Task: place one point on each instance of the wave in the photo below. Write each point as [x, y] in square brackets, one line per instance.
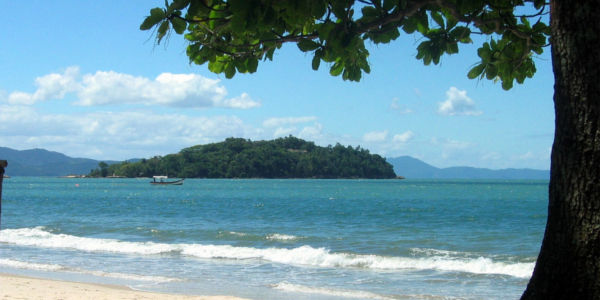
[288, 287]
[282, 237]
[38, 237]
[234, 233]
[345, 293]
[53, 268]
[248, 236]
[31, 266]
[303, 255]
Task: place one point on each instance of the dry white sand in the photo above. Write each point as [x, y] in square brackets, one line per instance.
[19, 287]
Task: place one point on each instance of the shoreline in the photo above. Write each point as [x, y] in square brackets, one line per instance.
[25, 287]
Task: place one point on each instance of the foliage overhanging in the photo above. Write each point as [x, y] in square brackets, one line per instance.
[234, 35]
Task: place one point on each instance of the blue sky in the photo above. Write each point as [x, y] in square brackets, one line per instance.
[79, 77]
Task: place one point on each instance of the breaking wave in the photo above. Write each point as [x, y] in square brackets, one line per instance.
[304, 255]
[282, 237]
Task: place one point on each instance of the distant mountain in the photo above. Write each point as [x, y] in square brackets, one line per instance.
[40, 162]
[411, 167]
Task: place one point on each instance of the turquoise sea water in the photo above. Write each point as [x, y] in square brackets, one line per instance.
[279, 239]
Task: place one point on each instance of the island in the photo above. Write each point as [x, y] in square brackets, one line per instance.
[287, 157]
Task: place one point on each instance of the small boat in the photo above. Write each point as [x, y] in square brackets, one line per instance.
[162, 180]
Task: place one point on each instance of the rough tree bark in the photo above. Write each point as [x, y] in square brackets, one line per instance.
[568, 266]
[3, 165]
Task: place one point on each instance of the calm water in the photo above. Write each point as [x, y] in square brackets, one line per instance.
[279, 239]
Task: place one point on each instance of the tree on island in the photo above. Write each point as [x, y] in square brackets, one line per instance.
[232, 36]
[288, 157]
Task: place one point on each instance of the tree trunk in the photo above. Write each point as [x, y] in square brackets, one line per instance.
[3, 165]
[568, 266]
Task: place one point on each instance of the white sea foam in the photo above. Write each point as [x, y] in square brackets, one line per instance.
[295, 288]
[39, 238]
[237, 233]
[30, 266]
[281, 237]
[304, 255]
[345, 293]
[53, 268]
[438, 252]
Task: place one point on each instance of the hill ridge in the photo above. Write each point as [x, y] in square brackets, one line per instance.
[410, 167]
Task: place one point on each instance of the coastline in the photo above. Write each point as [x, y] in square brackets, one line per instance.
[23, 287]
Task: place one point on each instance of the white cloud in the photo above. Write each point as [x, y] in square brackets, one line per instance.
[375, 136]
[296, 126]
[106, 135]
[458, 103]
[109, 87]
[403, 137]
[51, 86]
[242, 102]
[278, 122]
[312, 133]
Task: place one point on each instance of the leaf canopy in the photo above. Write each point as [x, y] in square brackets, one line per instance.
[234, 35]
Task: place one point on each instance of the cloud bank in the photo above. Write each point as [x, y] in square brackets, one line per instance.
[114, 135]
[110, 88]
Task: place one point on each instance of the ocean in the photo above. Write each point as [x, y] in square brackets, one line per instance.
[279, 239]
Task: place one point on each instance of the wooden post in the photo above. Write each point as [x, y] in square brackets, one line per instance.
[3, 165]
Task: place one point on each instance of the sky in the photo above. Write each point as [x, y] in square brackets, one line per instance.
[80, 78]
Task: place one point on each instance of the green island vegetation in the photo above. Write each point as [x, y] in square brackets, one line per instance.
[288, 157]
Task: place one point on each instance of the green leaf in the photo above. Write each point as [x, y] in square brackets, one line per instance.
[422, 22]
[179, 4]
[451, 21]
[216, 66]
[461, 34]
[318, 9]
[451, 48]
[389, 4]
[369, 12]
[269, 54]
[476, 71]
[366, 67]
[306, 45]
[336, 69]
[179, 25]
[427, 59]
[484, 52]
[437, 17]
[539, 39]
[158, 12]
[229, 70]
[410, 24]
[156, 15]
[240, 65]
[491, 71]
[162, 31]
[507, 84]
[252, 64]
[316, 62]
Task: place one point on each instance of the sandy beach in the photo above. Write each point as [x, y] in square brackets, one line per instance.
[19, 287]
